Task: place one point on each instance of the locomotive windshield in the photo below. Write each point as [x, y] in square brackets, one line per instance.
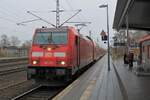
[50, 38]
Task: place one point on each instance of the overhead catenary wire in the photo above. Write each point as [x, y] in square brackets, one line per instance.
[71, 7]
[60, 5]
[16, 16]
[57, 16]
[6, 19]
[6, 12]
[12, 14]
[48, 11]
[41, 18]
[22, 23]
[70, 18]
[58, 10]
[64, 10]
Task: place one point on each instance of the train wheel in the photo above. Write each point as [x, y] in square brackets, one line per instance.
[68, 76]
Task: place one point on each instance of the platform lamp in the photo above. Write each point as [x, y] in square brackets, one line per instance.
[106, 6]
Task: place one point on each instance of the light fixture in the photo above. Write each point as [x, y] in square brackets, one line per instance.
[34, 62]
[63, 62]
[49, 49]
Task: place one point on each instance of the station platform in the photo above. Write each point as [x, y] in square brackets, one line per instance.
[98, 83]
[137, 87]
[95, 84]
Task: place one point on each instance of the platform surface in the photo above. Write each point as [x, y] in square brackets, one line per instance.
[137, 87]
[95, 84]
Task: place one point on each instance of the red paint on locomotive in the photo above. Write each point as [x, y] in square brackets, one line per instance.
[60, 52]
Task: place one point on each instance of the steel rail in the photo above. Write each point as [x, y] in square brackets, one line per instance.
[13, 70]
[26, 93]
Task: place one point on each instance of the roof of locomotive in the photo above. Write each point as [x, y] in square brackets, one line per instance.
[62, 29]
[45, 29]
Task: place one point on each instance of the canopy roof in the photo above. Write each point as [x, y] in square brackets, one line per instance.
[138, 12]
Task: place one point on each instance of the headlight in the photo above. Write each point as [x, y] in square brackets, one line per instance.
[49, 49]
[63, 62]
[34, 62]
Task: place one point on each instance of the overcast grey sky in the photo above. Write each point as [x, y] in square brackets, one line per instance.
[14, 11]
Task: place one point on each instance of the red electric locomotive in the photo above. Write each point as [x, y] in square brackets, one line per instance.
[59, 53]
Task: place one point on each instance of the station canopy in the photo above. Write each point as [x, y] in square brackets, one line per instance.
[138, 12]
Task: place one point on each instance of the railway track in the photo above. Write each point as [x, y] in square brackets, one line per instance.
[39, 93]
[13, 61]
[12, 65]
[9, 71]
[8, 92]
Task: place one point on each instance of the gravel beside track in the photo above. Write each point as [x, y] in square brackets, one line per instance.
[12, 79]
[12, 59]
[13, 82]
[12, 91]
[39, 93]
[12, 70]
[13, 63]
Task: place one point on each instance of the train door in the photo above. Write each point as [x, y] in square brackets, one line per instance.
[77, 40]
[94, 51]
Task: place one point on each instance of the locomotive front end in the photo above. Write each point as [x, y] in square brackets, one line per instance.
[49, 56]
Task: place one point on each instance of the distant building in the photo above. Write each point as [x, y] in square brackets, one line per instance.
[13, 51]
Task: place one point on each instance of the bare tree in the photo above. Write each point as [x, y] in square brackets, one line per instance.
[4, 40]
[14, 41]
[27, 44]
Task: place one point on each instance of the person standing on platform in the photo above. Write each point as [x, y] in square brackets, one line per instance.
[125, 58]
[130, 57]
